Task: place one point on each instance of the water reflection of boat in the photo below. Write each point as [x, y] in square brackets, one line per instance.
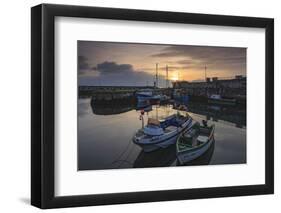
[180, 96]
[202, 160]
[195, 142]
[142, 105]
[160, 134]
[147, 108]
[111, 107]
[158, 158]
[217, 99]
[181, 107]
[236, 115]
[159, 99]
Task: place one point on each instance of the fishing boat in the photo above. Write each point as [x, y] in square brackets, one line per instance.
[144, 95]
[161, 133]
[217, 99]
[194, 142]
[204, 159]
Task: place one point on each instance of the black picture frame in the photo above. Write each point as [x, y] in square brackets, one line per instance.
[43, 102]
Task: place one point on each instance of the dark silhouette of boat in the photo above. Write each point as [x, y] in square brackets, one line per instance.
[112, 107]
[235, 115]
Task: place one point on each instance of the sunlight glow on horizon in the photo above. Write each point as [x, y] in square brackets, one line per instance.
[105, 62]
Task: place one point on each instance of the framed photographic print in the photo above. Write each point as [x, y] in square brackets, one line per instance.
[140, 106]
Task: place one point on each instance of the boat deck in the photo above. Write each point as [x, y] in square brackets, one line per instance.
[190, 140]
[170, 129]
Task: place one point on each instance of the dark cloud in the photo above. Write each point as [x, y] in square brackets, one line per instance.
[83, 65]
[186, 62]
[200, 52]
[113, 68]
[114, 74]
[198, 56]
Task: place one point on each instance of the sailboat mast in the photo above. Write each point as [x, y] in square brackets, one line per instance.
[167, 79]
[156, 75]
[205, 73]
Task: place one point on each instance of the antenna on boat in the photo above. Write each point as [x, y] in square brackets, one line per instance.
[167, 81]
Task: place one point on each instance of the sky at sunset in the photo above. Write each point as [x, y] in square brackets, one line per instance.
[132, 64]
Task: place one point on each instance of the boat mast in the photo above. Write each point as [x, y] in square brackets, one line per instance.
[205, 73]
[167, 81]
[156, 76]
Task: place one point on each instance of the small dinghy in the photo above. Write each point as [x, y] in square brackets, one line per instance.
[194, 142]
[160, 134]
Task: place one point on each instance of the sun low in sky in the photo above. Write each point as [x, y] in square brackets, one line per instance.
[134, 64]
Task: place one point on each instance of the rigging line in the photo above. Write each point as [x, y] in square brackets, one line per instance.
[124, 151]
[129, 153]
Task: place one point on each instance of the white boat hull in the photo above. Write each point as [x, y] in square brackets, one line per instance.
[189, 155]
[153, 147]
[162, 141]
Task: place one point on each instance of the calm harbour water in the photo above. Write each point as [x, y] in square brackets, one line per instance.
[105, 136]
